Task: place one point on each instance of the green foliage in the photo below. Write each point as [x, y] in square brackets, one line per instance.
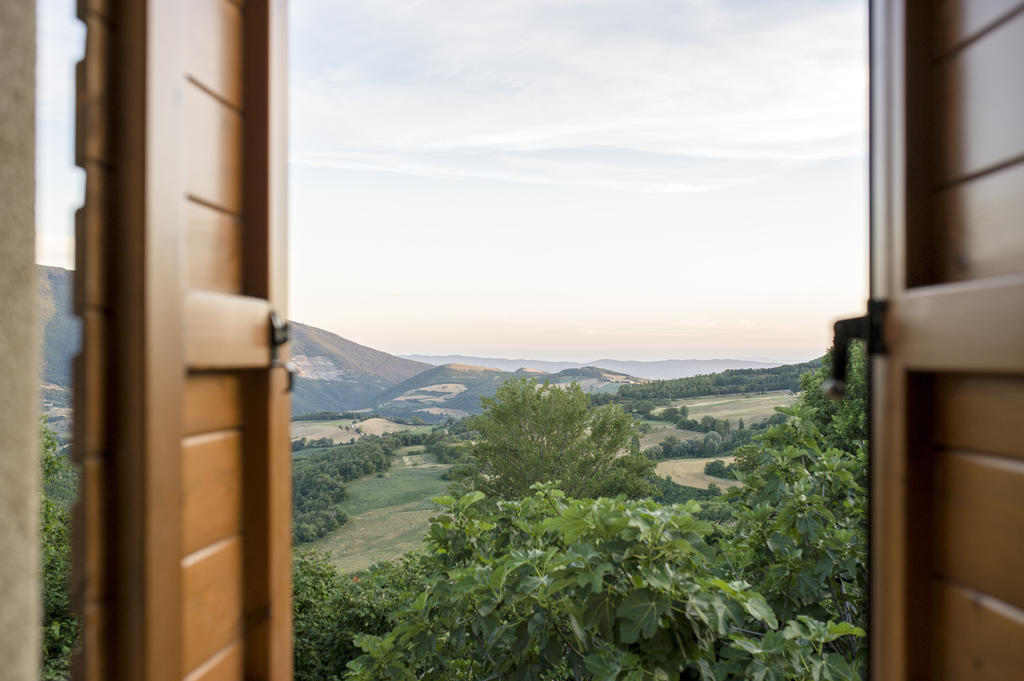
[549, 587]
[330, 609]
[532, 432]
[843, 423]
[800, 530]
[718, 469]
[60, 627]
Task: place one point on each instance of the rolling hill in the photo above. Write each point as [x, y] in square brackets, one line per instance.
[334, 373]
[653, 370]
[456, 389]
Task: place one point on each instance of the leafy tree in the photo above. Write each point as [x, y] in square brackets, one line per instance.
[842, 423]
[532, 432]
[60, 627]
[330, 608]
[602, 590]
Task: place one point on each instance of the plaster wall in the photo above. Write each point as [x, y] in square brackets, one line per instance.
[19, 349]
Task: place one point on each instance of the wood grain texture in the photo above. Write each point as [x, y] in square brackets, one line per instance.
[979, 104]
[226, 665]
[89, 392]
[213, 151]
[211, 489]
[212, 402]
[212, 602]
[92, 115]
[213, 250]
[981, 220]
[958, 21]
[980, 528]
[268, 592]
[961, 327]
[88, 545]
[226, 332]
[214, 48]
[977, 638]
[91, 225]
[980, 413]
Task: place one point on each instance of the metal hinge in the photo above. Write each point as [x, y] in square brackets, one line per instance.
[278, 337]
[868, 328]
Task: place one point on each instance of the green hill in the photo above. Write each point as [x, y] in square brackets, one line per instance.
[456, 389]
[336, 374]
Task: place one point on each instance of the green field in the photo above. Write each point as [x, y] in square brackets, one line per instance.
[388, 516]
[749, 407]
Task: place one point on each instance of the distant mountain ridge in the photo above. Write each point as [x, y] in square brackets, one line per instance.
[652, 370]
[456, 389]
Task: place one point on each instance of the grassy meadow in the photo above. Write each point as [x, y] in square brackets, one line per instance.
[388, 515]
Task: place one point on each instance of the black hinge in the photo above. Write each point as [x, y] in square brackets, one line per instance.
[278, 337]
[868, 328]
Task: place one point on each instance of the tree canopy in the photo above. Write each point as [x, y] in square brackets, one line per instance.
[532, 432]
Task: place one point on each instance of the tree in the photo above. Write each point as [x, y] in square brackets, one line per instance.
[60, 627]
[531, 433]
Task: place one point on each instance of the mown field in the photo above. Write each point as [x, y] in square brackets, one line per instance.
[690, 472]
[750, 408]
[389, 515]
[346, 430]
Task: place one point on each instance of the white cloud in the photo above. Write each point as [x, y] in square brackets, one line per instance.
[490, 89]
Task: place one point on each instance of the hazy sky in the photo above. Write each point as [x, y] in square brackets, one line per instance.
[557, 179]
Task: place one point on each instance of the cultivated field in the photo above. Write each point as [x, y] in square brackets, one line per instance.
[662, 429]
[343, 430]
[750, 408]
[690, 472]
[388, 516]
[340, 430]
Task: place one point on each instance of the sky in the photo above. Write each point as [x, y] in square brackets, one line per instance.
[556, 179]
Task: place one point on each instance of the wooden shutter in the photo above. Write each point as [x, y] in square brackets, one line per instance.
[948, 406]
[182, 536]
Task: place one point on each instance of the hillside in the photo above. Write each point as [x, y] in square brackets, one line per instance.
[653, 370]
[60, 327]
[337, 374]
[456, 389]
[334, 373]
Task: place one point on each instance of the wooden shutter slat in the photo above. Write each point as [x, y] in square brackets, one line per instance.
[961, 20]
[982, 219]
[980, 105]
[92, 121]
[213, 250]
[962, 326]
[212, 603]
[977, 637]
[213, 151]
[980, 522]
[212, 402]
[225, 665]
[211, 499]
[90, 242]
[214, 54]
[226, 332]
[980, 413]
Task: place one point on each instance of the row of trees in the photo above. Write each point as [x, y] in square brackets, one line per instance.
[785, 377]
